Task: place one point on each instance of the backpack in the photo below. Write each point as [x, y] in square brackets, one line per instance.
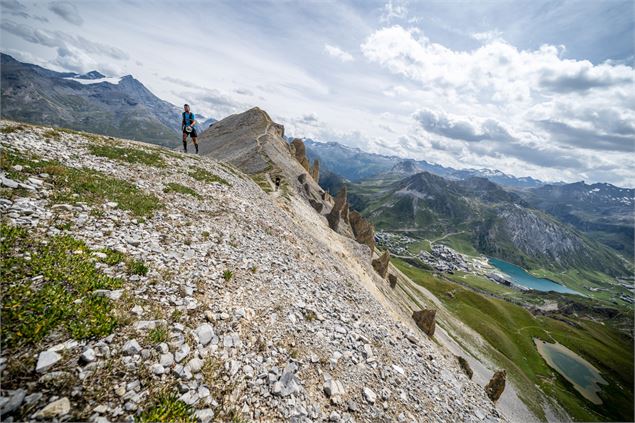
[191, 116]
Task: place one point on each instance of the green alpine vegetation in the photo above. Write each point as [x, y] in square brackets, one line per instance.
[204, 176]
[511, 329]
[127, 154]
[48, 286]
[181, 189]
[74, 185]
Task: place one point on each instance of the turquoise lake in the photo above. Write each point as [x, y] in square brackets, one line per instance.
[519, 276]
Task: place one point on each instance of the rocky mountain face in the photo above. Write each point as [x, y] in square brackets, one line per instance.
[146, 284]
[602, 211]
[256, 145]
[495, 221]
[120, 107]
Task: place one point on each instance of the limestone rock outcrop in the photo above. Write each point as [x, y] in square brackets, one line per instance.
[335, 215]
[381, 264]
[495, 387]
[362, 229]
[425, 320]
[315, 170]
[393, 280]
[299, 151]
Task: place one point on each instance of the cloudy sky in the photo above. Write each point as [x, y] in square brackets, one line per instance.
[542, 89]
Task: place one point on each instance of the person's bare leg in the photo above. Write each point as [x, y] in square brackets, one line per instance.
[184, 142]
[194, 140]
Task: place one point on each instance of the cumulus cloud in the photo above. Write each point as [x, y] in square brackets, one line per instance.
[338, 53]
[456, 128]
[494, 68]
[584, 77]
[533, 107]
[590, 138]
[74, 59]
[67, 11]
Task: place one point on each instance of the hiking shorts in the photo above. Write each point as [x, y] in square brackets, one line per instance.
[192, 134]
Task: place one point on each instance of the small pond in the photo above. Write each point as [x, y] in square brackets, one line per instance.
[585, 378]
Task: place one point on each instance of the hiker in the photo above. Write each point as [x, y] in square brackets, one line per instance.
[277, 182]
[187, 124]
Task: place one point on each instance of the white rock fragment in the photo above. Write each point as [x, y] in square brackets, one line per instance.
[46, 360]
[205, 332]
[131, 347]
[369, 395]
[88, 356]
[333, 388]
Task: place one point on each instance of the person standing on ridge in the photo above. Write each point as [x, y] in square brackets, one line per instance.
[187, 124]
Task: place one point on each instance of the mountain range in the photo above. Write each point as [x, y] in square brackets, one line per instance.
[124, 107]
[356, 165]
[479, 215]
[92, 102]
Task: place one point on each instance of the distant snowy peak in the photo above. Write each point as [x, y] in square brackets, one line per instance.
[87, 81]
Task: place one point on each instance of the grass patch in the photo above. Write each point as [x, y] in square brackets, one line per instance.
[81, 185]
[227, 275]
[158, 335]
[52, 133]
[8, 129]
[136, 267]
[41, 282]
[168, 408]
[113, 257]
[127, 154]
[181, 189]
[204, 176]
[261, 180]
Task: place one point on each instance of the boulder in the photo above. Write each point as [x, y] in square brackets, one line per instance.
[495, 387]
[425, 320]
[465, 366]
[393, 280]
[381, 264]
[57, 408]
[315, 170]
[302, 178]
[362, 229]
[299, 151]
[335, 214]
